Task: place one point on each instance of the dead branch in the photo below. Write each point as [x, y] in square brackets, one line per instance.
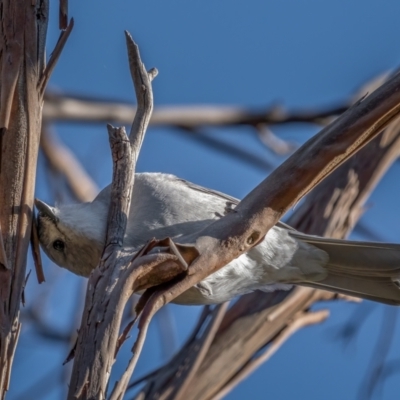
[84, 385]
[55, 55]
[237, 232]
[110, 285]
[380, 153]
[64, 107]
[23, 38]
[216, 245]
[251, 323]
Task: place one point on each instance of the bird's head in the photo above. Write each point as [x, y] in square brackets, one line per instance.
[72, 236]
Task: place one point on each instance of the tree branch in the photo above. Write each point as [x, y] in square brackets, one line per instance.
[237, 232]
[251, 322]
[69, 108]
[111, 284]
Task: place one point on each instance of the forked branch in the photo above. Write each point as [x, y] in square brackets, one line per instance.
[219, 243]
[234, 234]
[111, 284]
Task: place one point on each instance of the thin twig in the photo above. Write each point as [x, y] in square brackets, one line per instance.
[189, 342]
[55, 55]
[277, 145]
[122, 385]
[167, 329]
[66, 107]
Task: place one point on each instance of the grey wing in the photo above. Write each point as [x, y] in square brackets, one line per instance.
[224, 196]
[209, 191]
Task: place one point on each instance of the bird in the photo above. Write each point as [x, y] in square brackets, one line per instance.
[163, 205]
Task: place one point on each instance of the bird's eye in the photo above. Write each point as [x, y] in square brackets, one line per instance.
[58, 245]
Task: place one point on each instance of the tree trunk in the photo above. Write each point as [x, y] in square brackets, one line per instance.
[22, 62]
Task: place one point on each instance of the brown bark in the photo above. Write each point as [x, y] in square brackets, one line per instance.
[332, 209]
[23, 78]
[258, 319]
[205, 252]
[23, 34]
[111, 284]
[232, 235]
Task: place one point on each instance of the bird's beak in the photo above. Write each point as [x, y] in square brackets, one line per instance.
[46, 210]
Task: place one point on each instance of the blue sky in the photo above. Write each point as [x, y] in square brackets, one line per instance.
[300, 54]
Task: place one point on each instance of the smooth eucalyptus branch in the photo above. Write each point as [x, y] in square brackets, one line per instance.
[332, 209]
[237, 232]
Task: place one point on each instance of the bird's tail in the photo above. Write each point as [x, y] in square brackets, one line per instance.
[361, 269]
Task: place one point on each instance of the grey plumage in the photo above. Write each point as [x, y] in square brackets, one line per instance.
[163, 205]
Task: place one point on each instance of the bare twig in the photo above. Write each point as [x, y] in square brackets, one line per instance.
[64, 107]
[277, 145]
[144, 95]
[167, 329]
[55, 55]
[190, 343]
[198, 348]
